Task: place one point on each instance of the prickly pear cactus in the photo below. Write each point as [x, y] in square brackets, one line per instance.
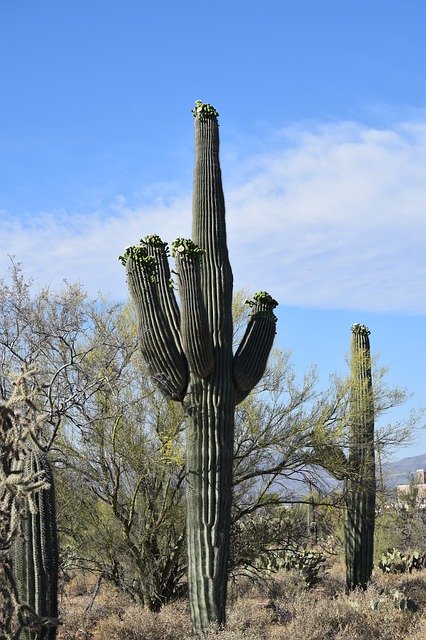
[189, 354]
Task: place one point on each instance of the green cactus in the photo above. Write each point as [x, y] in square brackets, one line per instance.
[36, 554]
[189, 353]
[307, 562]
[9, 451]
[357, 469]
[393, 561]
[360, 483]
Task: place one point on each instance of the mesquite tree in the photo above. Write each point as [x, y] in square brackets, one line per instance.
[189, 354]
[360, 483]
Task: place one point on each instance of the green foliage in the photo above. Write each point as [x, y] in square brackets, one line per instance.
[400, 526]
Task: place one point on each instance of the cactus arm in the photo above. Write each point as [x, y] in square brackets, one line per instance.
[158, 249]
[252, 354]
[360, 485]
[195, 332]
[157, 340]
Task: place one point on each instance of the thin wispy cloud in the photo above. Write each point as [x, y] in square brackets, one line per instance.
[332, 217]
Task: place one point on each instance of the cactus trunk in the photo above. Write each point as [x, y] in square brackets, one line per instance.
[210, 402]
[36, 553]
[360, 484]
[8, 451]
[195, 364]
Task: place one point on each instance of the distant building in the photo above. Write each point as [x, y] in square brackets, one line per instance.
[418, 490]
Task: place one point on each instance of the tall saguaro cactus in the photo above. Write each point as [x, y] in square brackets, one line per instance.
[189, 354]
[36, 552]
[360, 484]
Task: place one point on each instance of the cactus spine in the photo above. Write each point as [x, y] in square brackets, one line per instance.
[36, 552]
[360, 484]
[189, 353]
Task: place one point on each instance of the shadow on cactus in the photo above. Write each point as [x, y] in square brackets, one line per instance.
[188, 349]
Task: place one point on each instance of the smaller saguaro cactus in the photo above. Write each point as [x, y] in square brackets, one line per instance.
[35, 556]
[360, 483]
[357, 468]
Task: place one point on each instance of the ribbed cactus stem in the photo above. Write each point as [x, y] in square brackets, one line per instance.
[210, 392]
[210, 427]
[360, 489]
[159, 343]
[195, 332]
[36, 551]
[7, 453]
[159, 251]
[252, 355]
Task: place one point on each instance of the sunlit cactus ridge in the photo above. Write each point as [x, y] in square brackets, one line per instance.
[189, 353]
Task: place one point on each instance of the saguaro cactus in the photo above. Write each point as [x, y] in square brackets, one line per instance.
[189, 353]
[36, 552]
[357, 469]
[360, 483]
[8, 452]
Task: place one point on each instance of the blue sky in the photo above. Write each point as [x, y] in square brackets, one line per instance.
[323, 143]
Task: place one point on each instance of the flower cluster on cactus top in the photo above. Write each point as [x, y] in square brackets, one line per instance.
[153, 241]
[185, 248]
[139, 255]
[262, 298]
[361, 329]
[204, 110]
[262, 304]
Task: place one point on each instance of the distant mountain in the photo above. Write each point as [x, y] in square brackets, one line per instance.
[394, 473]
[401, 471]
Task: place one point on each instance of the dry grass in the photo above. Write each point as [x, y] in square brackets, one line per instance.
[269, 611]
